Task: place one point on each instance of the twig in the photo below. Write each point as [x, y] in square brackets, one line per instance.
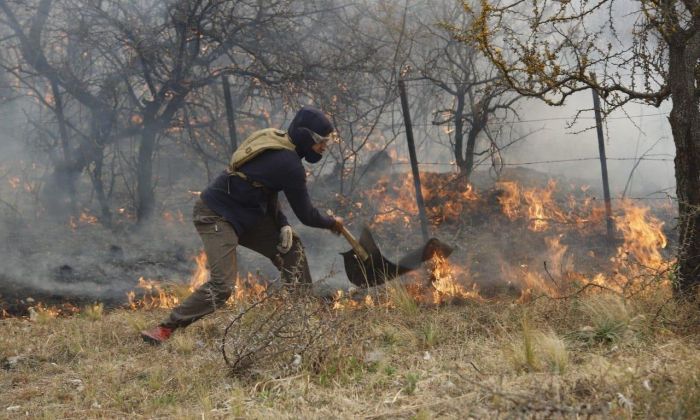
[475, 368]
[576, 293]
[550, 274]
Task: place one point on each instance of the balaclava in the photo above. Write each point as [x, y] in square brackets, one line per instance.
[311, 119]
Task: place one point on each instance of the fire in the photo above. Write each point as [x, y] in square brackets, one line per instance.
[343, 301]
[247, 288]
[170, 217]
[42, 313]
[446, 198]
[509, 199]
[541, 225]
[201, 273]
[87, 218]
[445, 284]
[14, 181]
[643, 235]
[158, 294]
[155, 295]
[541, 209]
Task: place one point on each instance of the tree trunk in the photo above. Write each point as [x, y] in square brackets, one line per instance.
[144, 176]
[685, 125]
[480, 120]
[469, 153]
[59, 193]
[65, 147]
[98, 184]
[459, 131]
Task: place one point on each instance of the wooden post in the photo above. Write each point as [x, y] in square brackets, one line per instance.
[603, 163]
[414, 160]
[233, 137]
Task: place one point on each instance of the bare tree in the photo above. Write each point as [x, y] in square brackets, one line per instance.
[134, 66]
[647, 54]
[473, 100]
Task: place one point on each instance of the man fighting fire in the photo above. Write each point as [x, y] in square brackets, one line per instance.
[241, 207]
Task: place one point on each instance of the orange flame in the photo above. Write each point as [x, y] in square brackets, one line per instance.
[157, 294]
[643, 235]
[201, 273]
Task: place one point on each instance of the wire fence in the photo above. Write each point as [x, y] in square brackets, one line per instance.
[662, 194]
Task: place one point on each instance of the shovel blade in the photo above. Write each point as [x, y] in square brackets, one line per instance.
[377, 270]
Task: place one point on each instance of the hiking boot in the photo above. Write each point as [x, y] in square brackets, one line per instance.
[157, 335]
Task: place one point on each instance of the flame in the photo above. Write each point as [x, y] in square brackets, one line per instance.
[14, 181]
[446, 199]
[170, 217]
[155, 295]
[87, 218]
[158, 294]
[248, 288]
[643, 235]
[201, 273]
[509, 199]
[541, 208]
[445, 284]
[548, 225]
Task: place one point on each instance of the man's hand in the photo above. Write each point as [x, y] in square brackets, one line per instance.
[337, 225]
[286, 238]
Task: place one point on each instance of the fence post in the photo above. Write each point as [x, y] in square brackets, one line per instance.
[233, 137]
[414, 160]
[603, 163]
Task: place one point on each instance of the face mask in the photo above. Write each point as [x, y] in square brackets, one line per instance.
[309, 154]
[312, 157]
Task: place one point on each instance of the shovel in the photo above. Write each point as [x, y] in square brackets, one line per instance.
[366, 267]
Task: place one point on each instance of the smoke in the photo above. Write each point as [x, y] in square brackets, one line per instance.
[57, 251]
[638, 142]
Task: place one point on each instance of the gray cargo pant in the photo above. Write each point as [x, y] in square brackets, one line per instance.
[220, 242]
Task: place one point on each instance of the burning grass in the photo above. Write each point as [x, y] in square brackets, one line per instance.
[532, 314]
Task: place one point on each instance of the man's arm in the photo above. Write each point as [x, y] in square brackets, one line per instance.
[298, 196]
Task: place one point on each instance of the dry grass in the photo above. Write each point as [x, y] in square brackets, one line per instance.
[594, 355]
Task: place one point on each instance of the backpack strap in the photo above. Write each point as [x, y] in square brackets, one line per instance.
[258, 142]
[244, 177]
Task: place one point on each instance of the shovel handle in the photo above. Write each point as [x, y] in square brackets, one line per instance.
[359, 250]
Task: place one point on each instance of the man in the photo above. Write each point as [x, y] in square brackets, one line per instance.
[240, 207]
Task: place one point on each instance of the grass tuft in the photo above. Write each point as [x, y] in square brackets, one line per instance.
[553, 352]
[93, 312]
[402, 300]
[608, 318]
[430, 335]
[535, 351]
[410, 382]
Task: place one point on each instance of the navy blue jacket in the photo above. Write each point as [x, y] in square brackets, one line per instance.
[244, 205]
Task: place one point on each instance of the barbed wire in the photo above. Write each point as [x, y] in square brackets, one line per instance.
[538, 162]
[666, 197]
[431, 124]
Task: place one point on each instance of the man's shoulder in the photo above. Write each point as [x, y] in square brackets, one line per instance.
[287, 158]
